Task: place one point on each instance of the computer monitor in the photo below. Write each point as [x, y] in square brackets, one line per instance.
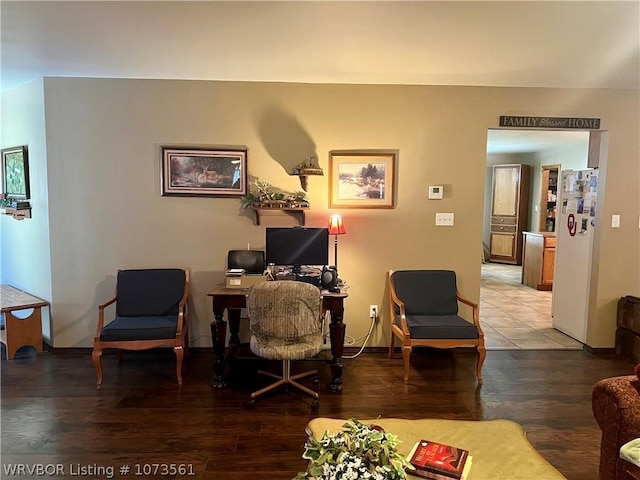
[297, 246]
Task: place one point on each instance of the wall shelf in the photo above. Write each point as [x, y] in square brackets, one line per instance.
[304, 173]
[305, 169]
[262, 212]
[17, 213]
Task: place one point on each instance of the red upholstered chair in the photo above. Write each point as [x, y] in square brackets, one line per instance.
[616, 408]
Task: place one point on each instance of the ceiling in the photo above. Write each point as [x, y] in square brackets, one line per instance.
[483, 43]
[573, 44]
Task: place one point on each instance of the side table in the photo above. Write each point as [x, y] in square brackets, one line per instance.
[19, 332]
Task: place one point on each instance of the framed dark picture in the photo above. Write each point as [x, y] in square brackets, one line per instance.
[15, 173]
[361, 179]
[209, 172]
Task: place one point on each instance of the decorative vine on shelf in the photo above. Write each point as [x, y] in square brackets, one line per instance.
[265, 197]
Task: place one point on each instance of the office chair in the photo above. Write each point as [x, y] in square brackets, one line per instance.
[285, 322]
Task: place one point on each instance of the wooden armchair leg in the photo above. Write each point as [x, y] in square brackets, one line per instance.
[179, 351]
[392, 345]
[482, 354]
[185, 344]
[406, 354]
[96, 357]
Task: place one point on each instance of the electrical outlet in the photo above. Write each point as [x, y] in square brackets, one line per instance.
[373, 311]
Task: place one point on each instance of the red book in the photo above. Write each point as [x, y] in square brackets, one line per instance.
[438, 458]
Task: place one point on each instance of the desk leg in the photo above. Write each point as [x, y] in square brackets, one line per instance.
[234, 330]
[218, 337]
[336, 329]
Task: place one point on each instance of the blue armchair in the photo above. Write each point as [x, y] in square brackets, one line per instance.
[424, 312]
[151, 311]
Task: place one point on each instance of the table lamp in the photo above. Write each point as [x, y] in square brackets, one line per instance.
[336, 227]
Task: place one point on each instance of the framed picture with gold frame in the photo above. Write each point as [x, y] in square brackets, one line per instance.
[362, 179]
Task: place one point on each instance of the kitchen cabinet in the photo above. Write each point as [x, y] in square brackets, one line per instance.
[509, 212]
[548, 198]
[538, 259]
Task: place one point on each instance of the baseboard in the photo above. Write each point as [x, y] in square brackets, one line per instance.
[106, 351]
[348, 350]
[68, 350]
[599, 350]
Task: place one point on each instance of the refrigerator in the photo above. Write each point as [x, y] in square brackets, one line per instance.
[575, 220]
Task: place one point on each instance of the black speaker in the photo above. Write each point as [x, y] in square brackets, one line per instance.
[329, 278]
[251, 260]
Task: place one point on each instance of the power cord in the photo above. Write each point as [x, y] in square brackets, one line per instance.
[366, 337]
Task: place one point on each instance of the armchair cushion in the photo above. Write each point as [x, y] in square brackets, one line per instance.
[149, 293]
[439, 299]
[439, 327]
[140, 328]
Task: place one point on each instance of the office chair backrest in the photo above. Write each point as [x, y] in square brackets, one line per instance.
[284, 309]
[426, 292]
[150, 292]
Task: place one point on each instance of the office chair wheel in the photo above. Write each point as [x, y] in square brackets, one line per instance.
[250, 404]
[315, 405]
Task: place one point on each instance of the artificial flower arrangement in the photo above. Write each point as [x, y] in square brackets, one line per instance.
[6, 201]
[359, 451]
[267, 197]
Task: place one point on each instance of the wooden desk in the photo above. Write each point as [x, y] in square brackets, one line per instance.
[19, 332]
[234, 299]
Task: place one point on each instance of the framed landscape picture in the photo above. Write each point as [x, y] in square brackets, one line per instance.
[361, 179]
[204, 171]
[15, 173]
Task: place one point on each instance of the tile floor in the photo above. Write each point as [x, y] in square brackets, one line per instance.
[514, 316]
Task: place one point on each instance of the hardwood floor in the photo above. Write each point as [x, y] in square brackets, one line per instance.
[52, 413]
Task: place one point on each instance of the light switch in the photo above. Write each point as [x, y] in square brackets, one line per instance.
[444, 219]
[615, 221]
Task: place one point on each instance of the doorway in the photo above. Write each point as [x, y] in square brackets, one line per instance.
[513, 315]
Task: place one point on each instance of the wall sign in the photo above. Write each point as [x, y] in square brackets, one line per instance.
[550, 122]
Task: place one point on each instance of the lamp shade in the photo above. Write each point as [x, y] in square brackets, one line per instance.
[336, 226]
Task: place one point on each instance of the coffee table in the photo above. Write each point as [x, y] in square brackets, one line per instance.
[500, 448]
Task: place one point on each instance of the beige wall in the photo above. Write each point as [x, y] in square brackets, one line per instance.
[106, 212]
